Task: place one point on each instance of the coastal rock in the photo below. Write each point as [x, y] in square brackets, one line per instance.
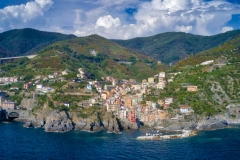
[28, 125]
[80, 124]
[58, 122]
[212, 123]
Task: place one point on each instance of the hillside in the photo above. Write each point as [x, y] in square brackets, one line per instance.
[218, 82]
[27, 41]
[96, 55]
[174, 46]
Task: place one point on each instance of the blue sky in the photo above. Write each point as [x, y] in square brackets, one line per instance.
[121, 19]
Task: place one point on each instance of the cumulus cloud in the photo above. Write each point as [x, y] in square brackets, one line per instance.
[109, 19]
[186, 29]
[156, 16]
[108, 22]
[18, 14]
[225, 29]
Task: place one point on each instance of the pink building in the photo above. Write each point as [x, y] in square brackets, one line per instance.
[8, 105]
[132, 116]
[27, 85]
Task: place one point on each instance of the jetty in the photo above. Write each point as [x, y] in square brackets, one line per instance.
[185, 134]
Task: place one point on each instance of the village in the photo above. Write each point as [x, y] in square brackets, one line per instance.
[124, 98]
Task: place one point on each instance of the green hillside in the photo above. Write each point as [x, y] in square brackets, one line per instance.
[97, 55]
[27, 41]
[218, 82]
[174, 46]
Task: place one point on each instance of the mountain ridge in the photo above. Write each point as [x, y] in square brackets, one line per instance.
[174, 46]
[27, 41]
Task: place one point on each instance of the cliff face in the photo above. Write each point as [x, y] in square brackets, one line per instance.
[55, 121]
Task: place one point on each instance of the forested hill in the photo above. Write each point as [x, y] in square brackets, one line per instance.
[27, 41]
[174, 46]
[98, 56]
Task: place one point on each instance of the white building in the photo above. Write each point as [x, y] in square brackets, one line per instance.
[162, 74]
[185, 109]
[39, 87]
[168, 101]
[66, 104]
[122, 114]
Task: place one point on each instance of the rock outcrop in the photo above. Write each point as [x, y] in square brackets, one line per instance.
[58, 122]
[28, 125]
[55, 121]
[212, 123]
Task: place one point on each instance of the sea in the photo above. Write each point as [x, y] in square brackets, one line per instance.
[21, 143]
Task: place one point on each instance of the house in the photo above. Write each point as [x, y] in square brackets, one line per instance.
[185, 109]
[160, 102]
[122, 114]
[160, 79]
[8, 105]
[162, 74]
[132, 116]
[168, 101]
[66, 104]
[114, 82]
[104, 95]
[51, 76]
[65, 72]
[89, 87]
[137, 87]
[151, 80]
[113, 107]
[39, 87]
[128, 102]
[192, 88]
[27, 85]
[165, 106]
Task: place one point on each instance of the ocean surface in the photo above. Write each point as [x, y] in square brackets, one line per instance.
[17, 142]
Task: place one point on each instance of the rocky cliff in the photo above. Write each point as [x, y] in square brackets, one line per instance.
[63, 121]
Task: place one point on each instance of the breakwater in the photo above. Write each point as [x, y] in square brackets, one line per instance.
[184, 134]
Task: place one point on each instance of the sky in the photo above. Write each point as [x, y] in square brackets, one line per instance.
[121, 19]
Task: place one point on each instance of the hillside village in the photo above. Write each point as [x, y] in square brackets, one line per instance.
[137, 102]
[124, 98]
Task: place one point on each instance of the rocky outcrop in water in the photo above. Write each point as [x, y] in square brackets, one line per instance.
[55, 121]
[58, 122]
[212, 123]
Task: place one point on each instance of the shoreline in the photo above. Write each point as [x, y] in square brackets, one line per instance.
[185, 133]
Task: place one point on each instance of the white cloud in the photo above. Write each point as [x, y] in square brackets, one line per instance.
[14, 16]
[108, 22]
[156, 16]
[109, 19]
[186, 29]
[225, 29]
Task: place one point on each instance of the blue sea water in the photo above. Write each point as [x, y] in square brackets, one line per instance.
[17, 142]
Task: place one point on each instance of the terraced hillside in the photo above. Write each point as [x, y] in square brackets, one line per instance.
[218, 82]
[97, 55]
